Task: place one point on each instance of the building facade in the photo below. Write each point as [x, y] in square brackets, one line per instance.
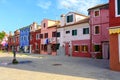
[16, 41]
[114, 32]
[37, 41]
[71, 37]
[10, 41]
[99, 29]
[24, 38]
[33, 28]
[48, 37]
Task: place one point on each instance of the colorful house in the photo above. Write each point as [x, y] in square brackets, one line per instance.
[114, 33]
[4, 42]
[17, 40]
[10, 41]
[48, 36]
[37, 40]
[99, 29]
[34, 47]
[74, 35]
[24, 38]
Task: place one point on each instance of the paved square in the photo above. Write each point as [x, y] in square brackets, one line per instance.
[47, 67]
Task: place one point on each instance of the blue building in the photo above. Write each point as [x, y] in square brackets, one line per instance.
[24, 38]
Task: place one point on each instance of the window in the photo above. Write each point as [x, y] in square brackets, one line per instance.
[54, 34]
[37, 46]
[117, 7]
[46, 35]
[76, 48]
[97, 30]
[85, 30]
[42, 47]
[44, 25]
[67, 32]
[96, 48]
[37, 36]
[69, 18]
[84, 48]
[97, 13]
[58, 34]
[41, 36]
[74, 32]
[45, 47]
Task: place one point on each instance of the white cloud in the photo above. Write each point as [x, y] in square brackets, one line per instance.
[44, 5]
[78, 5]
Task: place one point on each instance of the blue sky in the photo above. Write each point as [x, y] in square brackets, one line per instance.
[15, 14]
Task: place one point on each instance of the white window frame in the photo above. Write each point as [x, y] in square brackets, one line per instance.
[116, 11]
[94, 30]
[99, 13]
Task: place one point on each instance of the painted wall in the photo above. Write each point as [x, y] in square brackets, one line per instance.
[114, 53]
[37, 41]
[114, 21]
[48, 29]
[76, 17]
[103, 21]
[80, 43]
[24, 36]
[60, 39]
[79, 36]
[32, 41]
[114, 38]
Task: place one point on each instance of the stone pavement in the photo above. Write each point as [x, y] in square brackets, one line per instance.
[47, 67]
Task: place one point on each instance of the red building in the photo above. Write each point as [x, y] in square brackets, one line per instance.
[99, 25]
[114, 34]
[37, 41]
[34, 38]
[10, 41]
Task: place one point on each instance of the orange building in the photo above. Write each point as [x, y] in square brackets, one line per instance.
[114, 32]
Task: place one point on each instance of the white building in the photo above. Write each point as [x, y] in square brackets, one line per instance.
[74, 31]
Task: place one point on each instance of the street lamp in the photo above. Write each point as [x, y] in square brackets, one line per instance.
[14, 61]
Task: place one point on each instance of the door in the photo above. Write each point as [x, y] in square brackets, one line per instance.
[49, 51]
[30, 48]
[105, 50]
[67, 49]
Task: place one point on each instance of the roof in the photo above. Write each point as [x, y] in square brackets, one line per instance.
[24, 27]
[48, 19]
[98, 6]
[78, 14]
[86, 20]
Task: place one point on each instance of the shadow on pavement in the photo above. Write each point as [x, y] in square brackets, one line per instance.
[72, 66]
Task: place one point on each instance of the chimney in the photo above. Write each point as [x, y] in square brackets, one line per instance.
[10, 33]
[62, 21]
[35, 25]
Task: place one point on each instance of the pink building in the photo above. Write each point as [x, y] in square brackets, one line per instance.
[99, 23]
[48, 37]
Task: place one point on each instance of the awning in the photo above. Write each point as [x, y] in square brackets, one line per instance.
[114, 30]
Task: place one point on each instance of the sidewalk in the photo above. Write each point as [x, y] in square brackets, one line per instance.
[46, 67]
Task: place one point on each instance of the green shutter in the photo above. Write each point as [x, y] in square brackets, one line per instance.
[75, 32]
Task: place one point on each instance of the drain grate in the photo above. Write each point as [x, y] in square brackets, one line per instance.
[56, 64]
